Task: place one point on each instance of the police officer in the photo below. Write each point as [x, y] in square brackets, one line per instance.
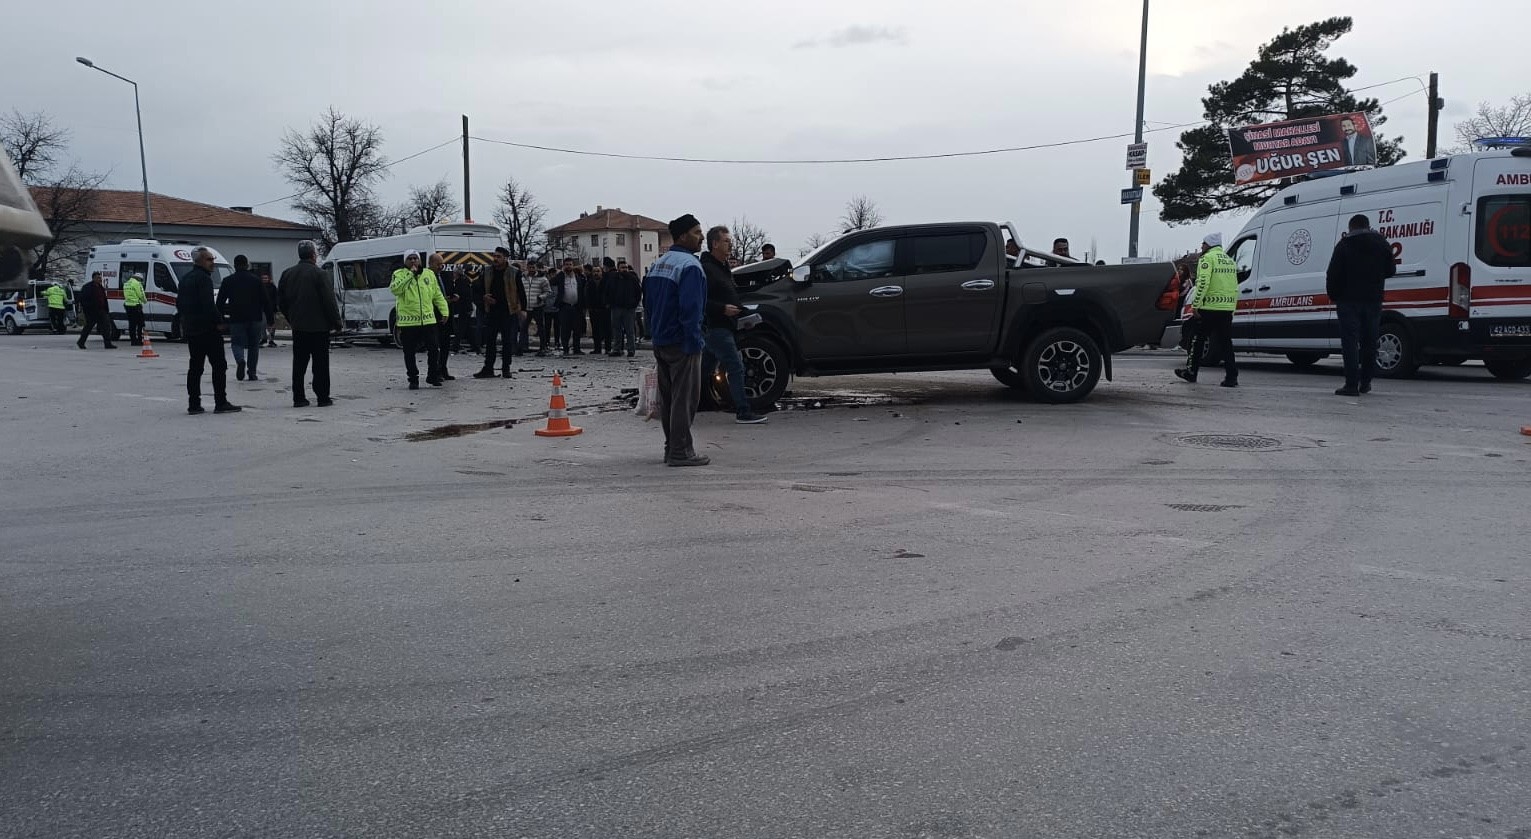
[55, 294]
[133, 300]
[1212, 305]
[419, 305]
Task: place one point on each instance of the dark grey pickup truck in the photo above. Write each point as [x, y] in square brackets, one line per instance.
[946, 297]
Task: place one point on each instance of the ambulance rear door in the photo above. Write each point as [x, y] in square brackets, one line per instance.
[1499, 254]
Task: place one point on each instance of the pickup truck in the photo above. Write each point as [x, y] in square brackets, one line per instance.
[946, 297]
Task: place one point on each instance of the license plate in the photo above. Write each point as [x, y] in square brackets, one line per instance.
[1510, 330]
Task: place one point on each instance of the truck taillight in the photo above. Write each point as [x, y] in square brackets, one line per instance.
[1459, 292]
[1170, 297]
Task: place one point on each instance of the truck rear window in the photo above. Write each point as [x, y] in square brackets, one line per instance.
[1504, 231]
[943, 253]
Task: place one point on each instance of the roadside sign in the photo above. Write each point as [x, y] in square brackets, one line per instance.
[1137, 155]
[1144, 176]
[1132, 196]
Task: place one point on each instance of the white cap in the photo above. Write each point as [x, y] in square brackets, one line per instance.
[408, 254]
[1213, 240]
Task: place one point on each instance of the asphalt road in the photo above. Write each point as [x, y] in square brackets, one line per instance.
[929, 609]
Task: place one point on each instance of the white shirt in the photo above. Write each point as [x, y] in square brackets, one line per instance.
[570, 289]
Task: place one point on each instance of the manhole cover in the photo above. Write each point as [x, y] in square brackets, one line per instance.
[1204, 508]
[1228, 442]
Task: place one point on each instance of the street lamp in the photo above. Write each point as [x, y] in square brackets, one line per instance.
[143, 164]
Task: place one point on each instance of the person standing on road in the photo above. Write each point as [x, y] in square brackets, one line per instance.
[133, 300]
[242, 302]
[1212, 305]
[564, 303]
[308, 303]
[417, 302]
[438, 266]
[597, 305]
[462, 311]
[271, 306]
[56, 308]
[200, 326]
[92, 300]
[723, 311]
[503, 314]
[538, 295]
[622, 295]
[1358, 272]
[674, 297]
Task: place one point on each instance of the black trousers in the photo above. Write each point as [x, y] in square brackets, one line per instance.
[99, 322]
[135, 323]
[310, 347]
[467, 329]
[1360, 325]
[569, 319]
[207, 349]
[600, 329]
[1216, 329]
[546, 323]
[413, 338]
[443, 345]
[500, 330]
[56, 321]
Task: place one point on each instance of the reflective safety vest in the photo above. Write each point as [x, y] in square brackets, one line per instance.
[133, 293]
[1217, 282]
[55, 295]
[419, 297]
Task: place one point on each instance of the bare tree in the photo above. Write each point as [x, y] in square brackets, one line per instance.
[1512, 120]
[522, 218]
[66, 203]
[335, 164]
[860, 214]
[33, 143]
[426, 205]
[748, 238]
[813, 243]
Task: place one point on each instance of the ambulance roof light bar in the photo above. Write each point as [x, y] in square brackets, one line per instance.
[1502, 142]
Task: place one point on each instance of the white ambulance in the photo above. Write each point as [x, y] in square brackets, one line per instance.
[362, 270]
[160, 265]
[1460, 227]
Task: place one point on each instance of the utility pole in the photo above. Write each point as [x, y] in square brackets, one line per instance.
[467, 191]
[1137, 206]
[1436, 104]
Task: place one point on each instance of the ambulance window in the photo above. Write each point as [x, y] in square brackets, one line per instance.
[1504, 231]
[1244, 256]
[131, 269]
[163, 279]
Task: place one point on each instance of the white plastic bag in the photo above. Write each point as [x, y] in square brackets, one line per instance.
[648, 393]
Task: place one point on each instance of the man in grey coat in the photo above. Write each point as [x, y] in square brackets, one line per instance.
[307, 300]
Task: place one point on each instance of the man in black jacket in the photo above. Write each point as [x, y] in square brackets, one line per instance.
[597, 305]
[242, 301]
[200, 325]
[1358, 271]
[622, 295]
[269, 288]
[308, 302]
[92, 300]
[722, 312]
[461, 302]
[503, 315]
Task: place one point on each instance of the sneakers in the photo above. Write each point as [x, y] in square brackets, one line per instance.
[750, 418]
[252, 377]
[1185, 375]
[324, 403]
[486, 373]
[239, 370]
[432, 381]
[227, 408]
[1347, 391]
[414, 385]
[693, 460]
[630, 353]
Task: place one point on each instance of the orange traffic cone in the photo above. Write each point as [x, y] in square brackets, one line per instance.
[148, 350]
[558, 414]
[1526, 430]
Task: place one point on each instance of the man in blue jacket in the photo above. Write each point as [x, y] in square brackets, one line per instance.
[674, 296]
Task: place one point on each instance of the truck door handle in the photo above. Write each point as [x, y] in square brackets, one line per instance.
[978, 285]
[1265, 288]
[887, 291]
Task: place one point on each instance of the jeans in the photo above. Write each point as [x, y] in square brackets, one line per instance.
[413, 338]
[1360, 324]
[315, 347]
[135, 323]
[1216, 328]
[722, 350]
[207, 347]
[245, 339]
[624, 330]
[680, 385]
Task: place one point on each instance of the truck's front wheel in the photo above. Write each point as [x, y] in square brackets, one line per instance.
[767, 369]
[1062, 364]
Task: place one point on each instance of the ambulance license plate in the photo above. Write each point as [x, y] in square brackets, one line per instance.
[1510, 330]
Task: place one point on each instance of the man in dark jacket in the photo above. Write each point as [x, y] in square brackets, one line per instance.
[622, 295]
[1358, 271]
[502, 310]
[269, 288]
[92, 300]
[200, 325]
[308, 302]
[722, 312]
[242, 302]
[596, 304]
[461, 301]
[567, 301]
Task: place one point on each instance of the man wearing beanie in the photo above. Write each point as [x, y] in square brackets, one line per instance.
[674, 296]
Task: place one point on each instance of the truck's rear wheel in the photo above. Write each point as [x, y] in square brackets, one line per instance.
[1509, 369]
[1303, 360]
[1061, 365]
[767, 370]
[1396, 356]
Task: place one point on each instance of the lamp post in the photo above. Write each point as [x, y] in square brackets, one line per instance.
[143, 163]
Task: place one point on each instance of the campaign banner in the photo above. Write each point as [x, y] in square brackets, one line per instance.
[1300, 146]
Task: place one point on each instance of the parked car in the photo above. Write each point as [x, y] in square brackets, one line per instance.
[23, 310]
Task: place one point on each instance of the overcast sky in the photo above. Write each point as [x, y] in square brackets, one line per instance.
[786, 79]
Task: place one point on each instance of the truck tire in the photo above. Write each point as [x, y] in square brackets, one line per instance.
[11, 327]
[1509, 369]
[767, 369]
[1304, 360]
[1061, 365]
[1396, 355]
[1009, 377]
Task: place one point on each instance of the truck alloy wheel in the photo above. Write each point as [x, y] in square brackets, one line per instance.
[767, 370]
[1062, 364]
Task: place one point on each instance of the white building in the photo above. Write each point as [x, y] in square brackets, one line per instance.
[610, 233]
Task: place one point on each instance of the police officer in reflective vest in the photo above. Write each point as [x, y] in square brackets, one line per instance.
[55, 295]
[1212, 305]
[133, 301]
